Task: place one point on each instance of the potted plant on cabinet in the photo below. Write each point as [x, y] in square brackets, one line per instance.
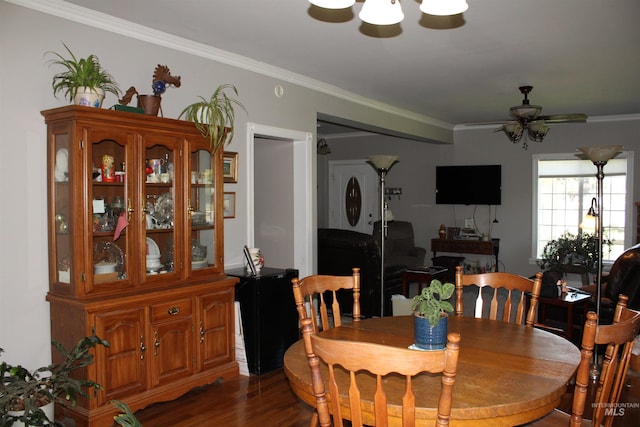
[23, 393]
[430, 308]
[214, 118]
[83, 81]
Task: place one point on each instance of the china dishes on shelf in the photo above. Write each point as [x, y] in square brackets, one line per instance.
[107, 258]
[196, 265]
[152, 247]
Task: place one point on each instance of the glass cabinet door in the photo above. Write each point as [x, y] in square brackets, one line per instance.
[60, 203]
[160, 173]
[201, 207]
[109, 207]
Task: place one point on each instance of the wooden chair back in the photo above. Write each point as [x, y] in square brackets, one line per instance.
[345, 358]
[501, 280]
[619, 338]
[324, 289]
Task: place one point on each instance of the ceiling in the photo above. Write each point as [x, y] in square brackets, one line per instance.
[581, 56]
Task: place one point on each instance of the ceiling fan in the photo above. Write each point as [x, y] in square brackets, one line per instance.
[527, 118]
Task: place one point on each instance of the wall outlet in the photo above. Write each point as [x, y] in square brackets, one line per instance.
[468, 223]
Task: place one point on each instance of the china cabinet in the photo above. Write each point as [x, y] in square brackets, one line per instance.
[136, 255]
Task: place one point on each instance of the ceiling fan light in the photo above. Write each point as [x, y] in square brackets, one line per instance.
[333, 4]
[381, 12]
[443, 7]
[525, 111]
[537, 131]
[514, 131]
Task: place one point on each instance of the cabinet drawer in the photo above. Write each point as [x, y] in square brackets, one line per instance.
[171, 310]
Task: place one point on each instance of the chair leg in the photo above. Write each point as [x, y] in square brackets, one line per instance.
[314, 420]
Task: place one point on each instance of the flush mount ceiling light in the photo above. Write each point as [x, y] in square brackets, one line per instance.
[389, 12]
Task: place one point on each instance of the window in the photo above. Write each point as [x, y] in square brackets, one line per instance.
[564, 187]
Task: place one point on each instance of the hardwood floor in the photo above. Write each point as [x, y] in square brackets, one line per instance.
[264, 401]
[267, 401]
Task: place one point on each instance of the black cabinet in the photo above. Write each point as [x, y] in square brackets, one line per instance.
[269, 316]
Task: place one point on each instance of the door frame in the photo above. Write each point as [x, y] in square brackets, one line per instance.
[304, 178]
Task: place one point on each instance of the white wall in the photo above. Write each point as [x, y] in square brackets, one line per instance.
[274, 201]
[130, 54]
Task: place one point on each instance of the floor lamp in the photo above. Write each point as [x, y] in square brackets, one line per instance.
[599, 155]
[382, 164]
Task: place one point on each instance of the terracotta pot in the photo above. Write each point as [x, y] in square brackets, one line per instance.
[150, 104]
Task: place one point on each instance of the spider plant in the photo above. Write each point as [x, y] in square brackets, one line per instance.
[214, 118]
[78, 73]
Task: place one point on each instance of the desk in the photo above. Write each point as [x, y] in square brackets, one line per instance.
[507, 374]
[462, 246]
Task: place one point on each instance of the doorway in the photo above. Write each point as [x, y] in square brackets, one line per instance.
[281, 197]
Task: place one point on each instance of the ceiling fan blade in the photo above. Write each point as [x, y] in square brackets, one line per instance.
[563, 118]
[501, 122]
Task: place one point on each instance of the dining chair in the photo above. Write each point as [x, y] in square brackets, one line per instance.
[324, 289]
[344, 359]
[619, 338]
[506, 291]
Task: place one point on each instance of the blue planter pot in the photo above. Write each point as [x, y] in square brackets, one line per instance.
[428, 337]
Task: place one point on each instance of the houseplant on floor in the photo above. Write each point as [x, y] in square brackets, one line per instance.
[83, 80]
[215, 117]
[430, 308]
[24, 392]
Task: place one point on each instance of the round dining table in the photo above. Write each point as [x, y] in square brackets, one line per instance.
[507, 374]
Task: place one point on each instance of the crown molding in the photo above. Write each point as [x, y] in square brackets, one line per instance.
[85, 16]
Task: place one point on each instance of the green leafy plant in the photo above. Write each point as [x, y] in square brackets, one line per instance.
[28, 391]
[126, 418]
[214, 118]
[432, 301]
[83, 72]
[571, 249]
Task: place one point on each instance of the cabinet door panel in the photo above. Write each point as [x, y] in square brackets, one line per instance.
[173, 350]
[160, 168]
[216, 335]
[108, 151]
[121, 367]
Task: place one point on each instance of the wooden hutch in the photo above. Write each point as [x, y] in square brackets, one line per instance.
[136, 255]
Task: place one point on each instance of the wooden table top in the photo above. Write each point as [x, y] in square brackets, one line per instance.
[507, 374]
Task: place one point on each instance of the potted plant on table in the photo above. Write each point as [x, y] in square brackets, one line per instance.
[430, 308]
[24, 393]
[215, 117]
[83, 81]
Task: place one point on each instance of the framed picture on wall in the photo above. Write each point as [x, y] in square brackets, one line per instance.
[230, 167]
[229, 205]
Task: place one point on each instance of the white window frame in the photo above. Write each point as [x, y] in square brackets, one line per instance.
[628, 226]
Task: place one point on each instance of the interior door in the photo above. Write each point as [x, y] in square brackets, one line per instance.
[353, 195]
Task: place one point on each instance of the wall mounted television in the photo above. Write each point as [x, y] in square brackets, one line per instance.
[469, 185]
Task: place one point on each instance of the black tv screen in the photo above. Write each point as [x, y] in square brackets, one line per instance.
[468, 185]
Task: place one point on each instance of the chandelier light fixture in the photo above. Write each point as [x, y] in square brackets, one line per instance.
[389, 12]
